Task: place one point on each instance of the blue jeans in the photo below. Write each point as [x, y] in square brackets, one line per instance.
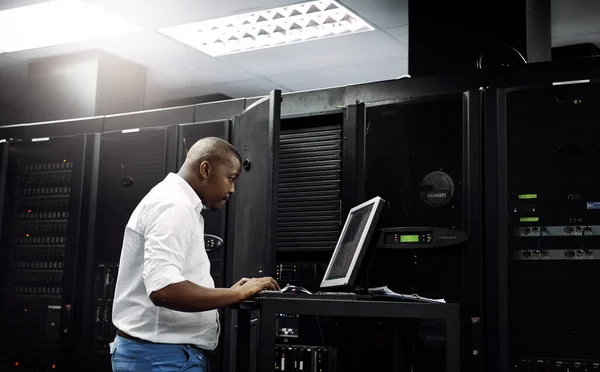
[138, 356]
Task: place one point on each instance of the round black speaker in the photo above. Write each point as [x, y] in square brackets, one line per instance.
[437, 188]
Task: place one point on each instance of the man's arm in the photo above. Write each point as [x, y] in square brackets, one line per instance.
[189, 297]
[167, 234]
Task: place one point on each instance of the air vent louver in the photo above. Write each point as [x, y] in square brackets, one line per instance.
[308, 194]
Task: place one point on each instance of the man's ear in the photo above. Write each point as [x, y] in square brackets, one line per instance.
[205, 169]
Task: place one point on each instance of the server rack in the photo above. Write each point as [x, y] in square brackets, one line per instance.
[215, 223]
[310, 205]
[297, 264]
[252, 209]
[57, 128]
[309, 195]
[45, 182]
[131, 162]
[542, 238]
[423, 155]
[310, 191]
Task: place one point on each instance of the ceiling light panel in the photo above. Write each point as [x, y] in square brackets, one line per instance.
[57, 22]
[269, 28]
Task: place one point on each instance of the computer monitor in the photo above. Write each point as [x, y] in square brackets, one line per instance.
[352, 245]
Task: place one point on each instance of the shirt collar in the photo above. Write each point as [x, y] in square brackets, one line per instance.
[187, 190]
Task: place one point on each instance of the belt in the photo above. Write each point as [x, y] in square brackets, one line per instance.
[129, 337]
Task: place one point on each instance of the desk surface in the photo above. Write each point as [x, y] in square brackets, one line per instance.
[357, 308]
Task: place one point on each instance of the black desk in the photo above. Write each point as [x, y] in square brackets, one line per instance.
[269, 307]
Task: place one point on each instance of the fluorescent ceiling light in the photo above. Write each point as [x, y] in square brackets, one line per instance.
[57, 22]
[269, 28]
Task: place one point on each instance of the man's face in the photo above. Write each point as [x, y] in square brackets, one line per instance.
[220, 181]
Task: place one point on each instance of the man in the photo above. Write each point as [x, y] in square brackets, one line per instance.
[165, 301]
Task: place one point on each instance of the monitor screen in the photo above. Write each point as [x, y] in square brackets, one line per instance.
[351, 243]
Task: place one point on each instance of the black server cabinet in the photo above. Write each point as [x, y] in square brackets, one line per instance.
[251, 228]
[309, 195]
[61, 128]
[42, 220]
[544, 219]
[251, 222]
[214, 221]
[131, 163]
[422, 155]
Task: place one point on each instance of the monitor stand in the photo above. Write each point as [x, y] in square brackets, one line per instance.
[361, 288]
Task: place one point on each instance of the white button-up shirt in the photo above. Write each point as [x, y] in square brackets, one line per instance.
[164, 244]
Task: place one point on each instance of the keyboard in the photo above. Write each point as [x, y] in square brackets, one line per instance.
[318, 295]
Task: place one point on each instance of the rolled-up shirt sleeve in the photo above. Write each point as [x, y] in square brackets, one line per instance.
[167, 233]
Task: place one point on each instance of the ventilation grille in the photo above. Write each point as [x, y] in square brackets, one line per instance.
[308, 194]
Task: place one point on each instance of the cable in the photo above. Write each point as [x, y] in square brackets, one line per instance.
[539, 242]
[479, 62]
[320, 330]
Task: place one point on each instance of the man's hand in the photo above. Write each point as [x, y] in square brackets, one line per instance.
[240, 283]
[250, 287]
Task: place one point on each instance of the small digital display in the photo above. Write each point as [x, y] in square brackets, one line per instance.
[529, 219]
[527, 196]
[593, 205]
[409, 238]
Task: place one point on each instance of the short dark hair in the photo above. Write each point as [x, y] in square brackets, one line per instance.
[212, 149]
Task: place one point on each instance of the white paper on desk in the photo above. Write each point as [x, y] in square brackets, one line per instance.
[386, 292]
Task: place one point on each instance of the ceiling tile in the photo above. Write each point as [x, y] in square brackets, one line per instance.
[382, 13]
[347, 75]
[9, 4]
[176, 63]
[153, 14]
[399, 33]
[325, 53]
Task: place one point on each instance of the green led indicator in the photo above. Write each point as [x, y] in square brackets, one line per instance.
[527, 196]
[409, 238]
[530, 219]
